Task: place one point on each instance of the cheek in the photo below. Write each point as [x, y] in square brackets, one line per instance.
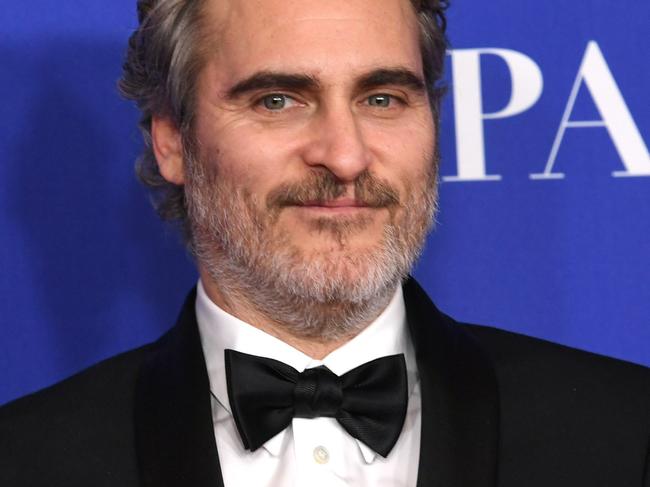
[404, 153]
[249, 160]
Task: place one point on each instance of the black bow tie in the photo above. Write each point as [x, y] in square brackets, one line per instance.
[368, 401]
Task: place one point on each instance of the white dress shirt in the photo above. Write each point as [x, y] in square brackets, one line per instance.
[311, 452]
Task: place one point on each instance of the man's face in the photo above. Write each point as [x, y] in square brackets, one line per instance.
[313, 170]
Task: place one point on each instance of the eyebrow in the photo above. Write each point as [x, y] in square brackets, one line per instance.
[296, 81]
[267, 79]
[391, 76]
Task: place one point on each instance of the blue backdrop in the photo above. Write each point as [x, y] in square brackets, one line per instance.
[545, 221]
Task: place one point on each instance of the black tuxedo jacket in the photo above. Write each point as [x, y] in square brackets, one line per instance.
[499, 409]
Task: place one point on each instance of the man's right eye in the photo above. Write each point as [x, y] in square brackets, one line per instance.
[276, 101]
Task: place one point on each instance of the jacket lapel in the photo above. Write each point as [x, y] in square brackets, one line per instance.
[173, 419]
[460, 404]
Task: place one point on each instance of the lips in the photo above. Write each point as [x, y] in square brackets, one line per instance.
[339, 203]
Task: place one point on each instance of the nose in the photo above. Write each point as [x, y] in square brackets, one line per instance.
[337, 143]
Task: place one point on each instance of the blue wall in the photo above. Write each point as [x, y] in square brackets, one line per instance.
[87, 270]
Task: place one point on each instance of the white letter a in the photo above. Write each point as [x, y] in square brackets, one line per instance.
[616, 117]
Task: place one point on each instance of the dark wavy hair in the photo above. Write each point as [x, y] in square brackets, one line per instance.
[163, 61]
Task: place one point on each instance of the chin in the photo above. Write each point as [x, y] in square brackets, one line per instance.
[343, 275]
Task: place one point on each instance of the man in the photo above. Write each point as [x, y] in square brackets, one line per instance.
[295, 143]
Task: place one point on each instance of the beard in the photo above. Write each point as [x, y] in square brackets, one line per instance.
[312, 294]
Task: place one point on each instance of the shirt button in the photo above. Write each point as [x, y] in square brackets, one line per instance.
[321, 455]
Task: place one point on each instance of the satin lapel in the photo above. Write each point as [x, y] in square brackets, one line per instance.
[174, 431]
[460, 402]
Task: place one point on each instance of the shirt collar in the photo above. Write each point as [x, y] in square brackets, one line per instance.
[219, 330]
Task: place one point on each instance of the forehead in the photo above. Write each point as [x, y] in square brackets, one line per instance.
[316, 36]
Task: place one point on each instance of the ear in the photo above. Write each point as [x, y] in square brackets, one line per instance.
[168, 149]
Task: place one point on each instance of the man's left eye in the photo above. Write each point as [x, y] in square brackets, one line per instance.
[381, 100]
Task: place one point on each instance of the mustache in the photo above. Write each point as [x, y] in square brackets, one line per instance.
[324, 186]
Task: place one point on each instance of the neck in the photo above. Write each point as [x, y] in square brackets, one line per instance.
[237, 303]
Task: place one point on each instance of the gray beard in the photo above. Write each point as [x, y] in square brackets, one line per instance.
[319, 296]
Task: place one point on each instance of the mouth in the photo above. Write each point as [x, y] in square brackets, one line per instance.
[338, 206]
